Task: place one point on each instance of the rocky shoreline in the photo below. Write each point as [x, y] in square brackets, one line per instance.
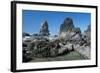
[70, 39]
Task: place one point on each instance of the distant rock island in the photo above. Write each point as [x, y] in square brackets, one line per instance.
[44, 31]
[67, 25]
[69, 32]
[69, 39]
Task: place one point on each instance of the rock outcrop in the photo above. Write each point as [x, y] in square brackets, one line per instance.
[87, 32]
[87, 35]
[44, 31]
[67, 25]
[41, 45]
[68, 31]
[77, 36]
[25, 34]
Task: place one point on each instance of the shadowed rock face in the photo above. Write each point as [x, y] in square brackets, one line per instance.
[69, 32]
[77, 30]
[88, 29]
[44, 31]
[77, 34]
[87, 35]
[66, 28]
[88, 32]
[67, 25]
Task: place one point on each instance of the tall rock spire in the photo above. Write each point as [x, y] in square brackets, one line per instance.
[44, 31]
[67, 25]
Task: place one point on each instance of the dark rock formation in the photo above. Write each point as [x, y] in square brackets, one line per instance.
[66, 28]
[88, 29]
[67, 25]
[69, 32]
[43, 48]
[26, 55]
[25, 34]
[87, 35]
[35, 35]
[77, 30]
[44, 31]
[77, 36]
[87, 32]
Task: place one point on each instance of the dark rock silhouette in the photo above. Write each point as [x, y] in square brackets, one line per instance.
[44, 31]
[68, 31]
[25, 34]
[67, 25]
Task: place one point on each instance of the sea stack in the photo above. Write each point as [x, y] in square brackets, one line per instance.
[66, 27]
[44, 31]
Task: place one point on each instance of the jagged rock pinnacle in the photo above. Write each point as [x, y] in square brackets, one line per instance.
[44, 31]
[67, 25]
